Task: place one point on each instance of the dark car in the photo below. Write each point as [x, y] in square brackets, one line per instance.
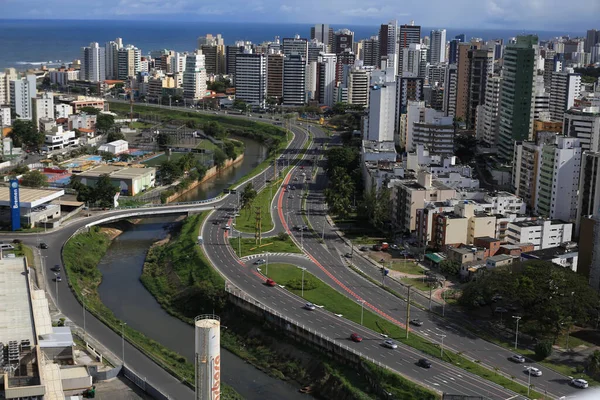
[425, 363]
[56, 268]
[355, 337]
[58, 278]
[43, 246]
[17, 241]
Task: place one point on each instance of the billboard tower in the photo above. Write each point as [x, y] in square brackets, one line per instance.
[208, 357]
[15, 205]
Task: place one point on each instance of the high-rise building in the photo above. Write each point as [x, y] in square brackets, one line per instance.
[463, 71]
[344, 39]
[595, 54]
[589, 186]
[409, 34]
[8, 75]
[213, 48]
[481, 64]
[43, 107]
[320, 32]
[516, 117]
[388, 45]
[584, 124]
[558, 179]
[358, 86]
[437, 48]
[128, 62]
[347, 57]
[296, 45]
[565, 87]
[230, 53]
[370, 52]
[429, 128]
[414, 61]
[551, 64]
[275, 76]
[294, 78]
[453, 48]
[487, 121]
[93, 63]
[450, 90]
[592, 37]
[380, 122]
[194, 77]
[588, 218]
[326, 82]
[436, 74]
[251, 78]
[409, 89]
[525, 171]
[21, 92]
[111, 56]
[315, 48]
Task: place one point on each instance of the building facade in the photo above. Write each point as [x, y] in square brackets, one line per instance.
[93, 63]
[251, 79]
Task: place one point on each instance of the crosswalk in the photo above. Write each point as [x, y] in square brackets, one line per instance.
[262, 255]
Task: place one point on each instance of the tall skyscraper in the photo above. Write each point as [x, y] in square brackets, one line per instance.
[414, 61]
[592, 37]
[584, 124]
[111, 56]
[275, 76]
[358, 85]
[230, 54]
[565, 87]
[93, 63]
[481, 62]
[128, 63]
[437, 48]
[251, 78]
[346, 57]
[43, 107]
[21, 92]
[409, 34]
[388, 44]
[314, 49]
[326, 82]
[213, 48]
[516, 94]
[463, 70]
[194, 77]
[380, 123]
[344, 39]
[294, 79]
[321, 33]
[296, 45]
[370, 51]
[8, 75]
[487, 120]
[453, 48]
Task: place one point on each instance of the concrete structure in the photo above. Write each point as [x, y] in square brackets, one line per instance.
[380, 123]
[565, 87]
[525, 171]
[5, 119]
[343, 40]
[295, 45]
[213, 48]
[541, 233]
[388, 46]
[130, 181]
[584, 124]
[487, 125]
[275, 76]
[414, 61]
[21, 92]
[84, 101]
[557, 182]
[370, 52]
[208, 357]
[9, 74]
[430, 128]
[437, 48]
[314, 49]
[35, 205]
[565, 255]
[57, 138]
[326, 71]
[116, 147]
[499, 261]
[321, 32]
[63, 110]
[408, 34]
[194, 77]
[251, 79]
[463, 69]
[516, 114]
[481, 65]
[63, 76]
[589, 187]
[111, 56]
[409, 89]
[450, 90]
[93, 63]
[294, 77]
[43, 107]
[128, 62]
[358, 86]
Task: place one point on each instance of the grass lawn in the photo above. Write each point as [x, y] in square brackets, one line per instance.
[417, 283]
[407, 267]
[272, 245]
[317, 292]
[139, 125]
[246, 221]
[153, 162]
[207, 145]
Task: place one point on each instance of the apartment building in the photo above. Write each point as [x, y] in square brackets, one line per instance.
[541, 233]
[584, 124]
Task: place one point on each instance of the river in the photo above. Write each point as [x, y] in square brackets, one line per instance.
[122, 291]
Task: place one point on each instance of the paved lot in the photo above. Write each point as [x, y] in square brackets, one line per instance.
[119, 389]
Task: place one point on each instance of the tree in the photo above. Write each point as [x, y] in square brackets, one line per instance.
[248, 196]
[190, 123]
[20, 169]
[339, 192]
[450, 267]
[214, 129]
[113, 135]
[344, 157]
[104, 191]
[543, 350]
[105, 123]
[229, 149]
[187, 162]
[164, 141]
[34, 179]
[24, 133]
[593, 364]
[219, 158]
[170, 172]
[240, 105]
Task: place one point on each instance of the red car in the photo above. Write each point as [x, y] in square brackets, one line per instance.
[270, 282]
[356, 338]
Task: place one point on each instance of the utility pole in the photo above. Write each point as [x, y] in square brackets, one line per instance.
[517, 331]
[408, 310]
[257, 229]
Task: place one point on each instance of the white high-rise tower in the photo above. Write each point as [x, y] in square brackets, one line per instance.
[208, 357]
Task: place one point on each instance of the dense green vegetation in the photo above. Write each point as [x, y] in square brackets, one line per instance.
[589, 74]
[34, 179]
[101, 194]
[25, 134]
[81, 255]
[550, 299]
[278, 244]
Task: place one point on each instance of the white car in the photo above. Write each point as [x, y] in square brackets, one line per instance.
[533, 371]
[390, 344]
[227, 227]
[580, 383]
[310, 307]
[517, 358]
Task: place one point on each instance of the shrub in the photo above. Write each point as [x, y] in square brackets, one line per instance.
[543, 350]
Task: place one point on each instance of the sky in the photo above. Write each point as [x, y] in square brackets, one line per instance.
[549, 15]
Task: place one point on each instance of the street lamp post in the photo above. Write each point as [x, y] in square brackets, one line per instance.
[442, 348]
[56, 287]
[517, 330]
[84, 330]
[444, 298]
[362, 309]
[123, 341]
[267, 265]
[303, 269]
[170, 106]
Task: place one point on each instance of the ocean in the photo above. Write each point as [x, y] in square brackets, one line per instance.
[28, 43]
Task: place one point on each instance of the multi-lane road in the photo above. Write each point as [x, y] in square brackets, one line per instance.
[326, 262]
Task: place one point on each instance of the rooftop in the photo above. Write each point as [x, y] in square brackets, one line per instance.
[551, 253]
[16, 322]
[28, 197]
[538, 222]
[500, 257]
[117, 172]
[488, 239]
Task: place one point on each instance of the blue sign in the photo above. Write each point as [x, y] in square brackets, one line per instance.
[15, 205]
